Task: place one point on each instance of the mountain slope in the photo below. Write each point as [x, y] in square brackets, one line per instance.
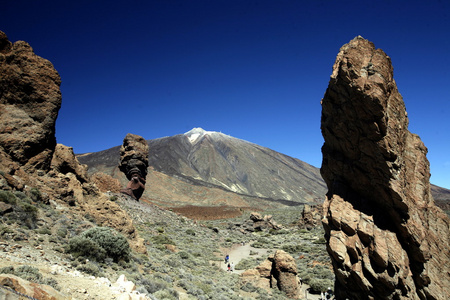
[218, 161]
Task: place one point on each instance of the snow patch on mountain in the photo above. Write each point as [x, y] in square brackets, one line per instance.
[195, 134]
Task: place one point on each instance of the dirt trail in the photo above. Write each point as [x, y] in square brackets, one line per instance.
[239, 252]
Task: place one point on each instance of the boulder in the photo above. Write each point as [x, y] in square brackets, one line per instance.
[277, 271]
[385, 236]
[284, 271]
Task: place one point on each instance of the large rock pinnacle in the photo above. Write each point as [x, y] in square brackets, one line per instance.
[134, 164]
[386, 238]
[30, 99]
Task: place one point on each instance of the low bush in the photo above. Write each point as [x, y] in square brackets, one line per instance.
[7, 197]
[100, 242]
[162, 240]
[319, 285]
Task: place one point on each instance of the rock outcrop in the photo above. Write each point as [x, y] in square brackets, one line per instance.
[134, 164]
[14, 287]
[277, 271]
[256, 222]
[30, 99]
[311, 216]
[30, 158]
[385, 236]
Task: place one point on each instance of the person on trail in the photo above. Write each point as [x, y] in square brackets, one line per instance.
[229, 266]
[232, 266]
[227, 258]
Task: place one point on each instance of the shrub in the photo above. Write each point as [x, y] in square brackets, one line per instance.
[90, 268]
[7, 197]
[35, 194]
[81, 246]
[28, 273]
[162, 239]
[320, 285]
[27, 215]
[183, 254]
[44, 230]
[99, 243]
[190, 232]
[166, 294]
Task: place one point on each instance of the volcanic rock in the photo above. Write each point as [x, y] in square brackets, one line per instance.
[277, 271]
[134, 164]
[27, 289]
[29, 156]
[311, 216]
[385, 236]
[64, 161]
[29, 103]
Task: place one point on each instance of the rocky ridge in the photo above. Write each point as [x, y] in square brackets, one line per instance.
[386, 238]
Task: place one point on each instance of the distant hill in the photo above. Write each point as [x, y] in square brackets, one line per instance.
[205, 167]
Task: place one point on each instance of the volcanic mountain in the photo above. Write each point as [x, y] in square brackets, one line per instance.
[207, 166]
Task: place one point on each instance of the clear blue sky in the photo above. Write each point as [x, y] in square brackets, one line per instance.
[255, 70]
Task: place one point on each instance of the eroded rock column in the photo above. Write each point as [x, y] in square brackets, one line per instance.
[386, 238]
[134, 164]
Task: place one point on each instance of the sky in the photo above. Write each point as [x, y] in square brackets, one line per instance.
[255, 70]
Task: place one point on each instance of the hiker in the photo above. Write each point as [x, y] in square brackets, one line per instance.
[232, 266]
[227, 258]
[229, 266]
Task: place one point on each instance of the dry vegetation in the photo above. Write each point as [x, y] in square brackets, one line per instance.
[184, 255]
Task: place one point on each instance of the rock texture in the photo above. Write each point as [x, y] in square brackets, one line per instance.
[386, 238]
[134, 164]
[29, 103]
[277, 271]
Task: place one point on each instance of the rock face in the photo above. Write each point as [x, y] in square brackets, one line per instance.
[386, 238]
[29, 103]
[134, 164]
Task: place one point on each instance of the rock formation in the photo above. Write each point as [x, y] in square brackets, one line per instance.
[311, 216]
[134, 164]
[385, 236]
[30, 99]
[277, 271]
[29, 103]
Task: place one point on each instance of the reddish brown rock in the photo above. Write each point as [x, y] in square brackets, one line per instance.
[386, 237]
[30, 99]
[277, 271]
[134, 164]
[29, 289]
[105, 183]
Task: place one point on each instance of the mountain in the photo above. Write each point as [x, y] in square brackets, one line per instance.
[217, 164]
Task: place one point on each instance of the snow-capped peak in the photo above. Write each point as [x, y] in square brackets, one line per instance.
[196, 133]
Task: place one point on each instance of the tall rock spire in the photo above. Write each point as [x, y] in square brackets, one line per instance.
[386, 238]
[134, 164]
